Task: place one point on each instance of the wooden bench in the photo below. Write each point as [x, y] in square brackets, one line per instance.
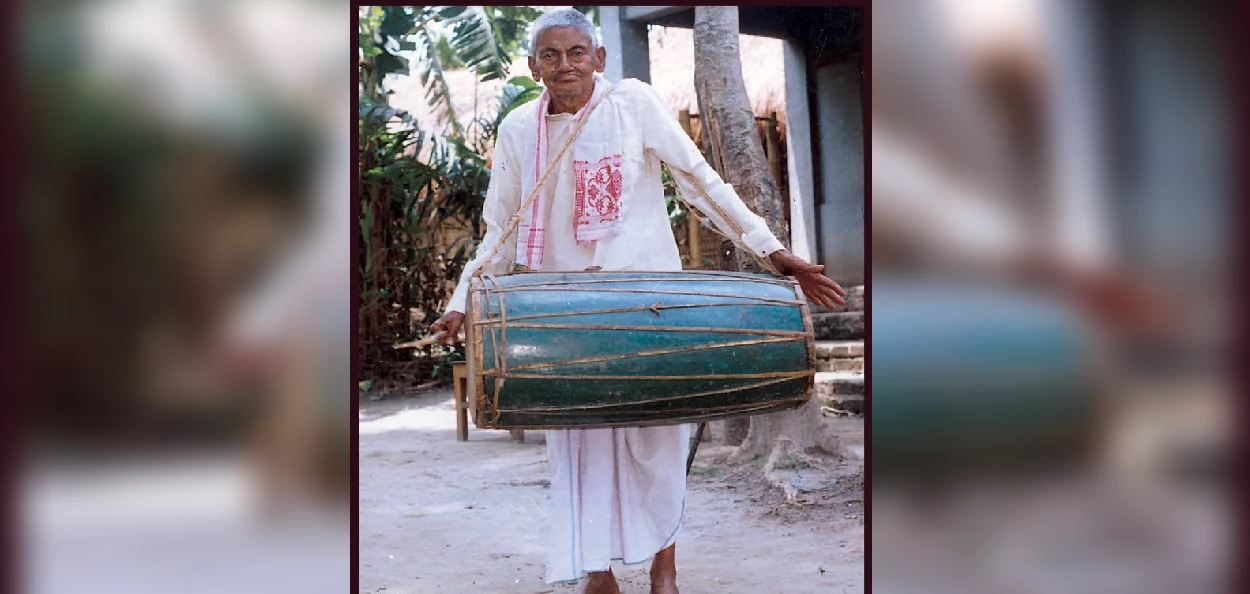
[460, 380]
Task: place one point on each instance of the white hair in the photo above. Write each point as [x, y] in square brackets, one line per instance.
[565, 17]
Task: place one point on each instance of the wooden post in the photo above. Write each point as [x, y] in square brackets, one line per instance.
[772, 138]
[692, 226]
[692, 240]
[460, 381]
[696, 136]
[773, 143]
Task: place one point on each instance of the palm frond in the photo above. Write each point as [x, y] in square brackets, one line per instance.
[475, 42]
[433, 78]
[519, 91]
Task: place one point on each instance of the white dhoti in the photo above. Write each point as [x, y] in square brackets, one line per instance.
[616, 494]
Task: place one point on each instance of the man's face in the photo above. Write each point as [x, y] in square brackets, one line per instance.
[564, 62]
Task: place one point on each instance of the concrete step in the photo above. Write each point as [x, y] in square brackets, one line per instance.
[839, 349]
[840, 355]
[841, 390]
[839, 382]
[854, 365]
[839, 325]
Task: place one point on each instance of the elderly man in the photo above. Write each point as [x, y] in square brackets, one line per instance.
[618, 494]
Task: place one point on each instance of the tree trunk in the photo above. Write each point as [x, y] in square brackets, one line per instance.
[736, 431]
[729, 123]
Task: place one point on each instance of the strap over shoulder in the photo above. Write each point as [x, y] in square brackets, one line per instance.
[515, 220]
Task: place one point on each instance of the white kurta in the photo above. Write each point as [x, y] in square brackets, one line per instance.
[617, 494]
[650, 135]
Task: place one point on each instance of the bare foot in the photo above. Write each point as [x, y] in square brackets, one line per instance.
[664, 571]
[601, 582]
[664, 584]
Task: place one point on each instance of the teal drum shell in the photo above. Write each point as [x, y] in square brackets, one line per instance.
[618, 349]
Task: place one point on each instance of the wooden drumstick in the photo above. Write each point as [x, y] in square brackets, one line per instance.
[431, 339]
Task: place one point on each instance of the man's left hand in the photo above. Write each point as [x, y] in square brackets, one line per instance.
[819, 288]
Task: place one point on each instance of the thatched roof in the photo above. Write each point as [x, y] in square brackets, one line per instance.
[672, 75]
[672, 70]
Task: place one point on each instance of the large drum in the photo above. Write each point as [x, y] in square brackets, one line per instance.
[608, 349]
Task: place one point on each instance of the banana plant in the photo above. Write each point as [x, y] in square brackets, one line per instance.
[413, 184]
[484, 39]
[418, 180]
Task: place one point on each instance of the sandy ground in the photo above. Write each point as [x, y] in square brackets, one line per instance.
[438, 515]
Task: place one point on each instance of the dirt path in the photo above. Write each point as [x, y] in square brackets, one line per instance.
[438, 515]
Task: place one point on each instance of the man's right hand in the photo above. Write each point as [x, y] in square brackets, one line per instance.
[449, 325]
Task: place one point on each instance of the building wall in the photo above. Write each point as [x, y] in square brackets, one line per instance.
[626, 41]
[839, 124]
[799, 162]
